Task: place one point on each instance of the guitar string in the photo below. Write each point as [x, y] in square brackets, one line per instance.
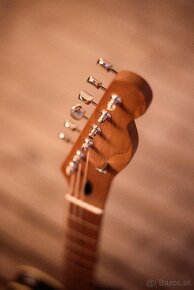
[76, 209]
[82, 194]
[77, 190]
[73, 210]
[68, 210]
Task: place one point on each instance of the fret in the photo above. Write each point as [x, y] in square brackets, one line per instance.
[80, 262]
[79, 250]
[82, 233]
[80, 220]
[82, 229]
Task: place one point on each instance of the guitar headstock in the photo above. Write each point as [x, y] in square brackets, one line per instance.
[109, 139]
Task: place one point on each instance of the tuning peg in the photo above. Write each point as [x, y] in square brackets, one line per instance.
[72, 126]
[96, 83]
[87, 144]
[78, 112]
[114, 101]
[104, 116]
[106, 65]
[65, 138]
[71, 168]
[86, 98]
[78, 156]
[95, 131]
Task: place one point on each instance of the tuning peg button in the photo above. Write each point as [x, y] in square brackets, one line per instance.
[65, 138]
[114, 101]
[95, 131]
[70, 125]
[86, 98]
[96, 83]
[105, 116]
[106, 65]
[78, 112]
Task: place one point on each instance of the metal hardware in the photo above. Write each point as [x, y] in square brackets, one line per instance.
[78, 156]
[104, 117]
[71, 168]
[72, 126]
[106, 65]
[86, 98]
[96, 83]
[103, 169]
[65, 138]
[95, 131]
[114, 101]
[78, 112]
[87, 144]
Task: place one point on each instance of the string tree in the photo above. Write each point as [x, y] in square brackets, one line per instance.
[106, 65]
[86, 98]
[78, 112]
[103, 169]
[96, 83]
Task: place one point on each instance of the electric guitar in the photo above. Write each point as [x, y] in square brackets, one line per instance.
[104, 147]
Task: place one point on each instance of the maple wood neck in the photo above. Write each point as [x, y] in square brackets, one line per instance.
[91, 166]
[82, 236]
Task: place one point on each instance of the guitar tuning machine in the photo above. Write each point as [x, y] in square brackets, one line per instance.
[114, 101]
[86, 98]
[87, 144]
[71, 168]
[96, 83]
[78, 112]
[95, 131]
[106, 65]
[105, 116]
[78, 156]
[72, 126]
[65, 138]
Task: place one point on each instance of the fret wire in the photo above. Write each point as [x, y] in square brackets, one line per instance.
[80, 257]
[79, 247]
[72, 226]
[82, 235]
[85, 265]
[91, 259]
[79, 220]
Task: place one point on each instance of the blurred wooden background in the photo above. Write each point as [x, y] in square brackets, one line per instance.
[47, 50]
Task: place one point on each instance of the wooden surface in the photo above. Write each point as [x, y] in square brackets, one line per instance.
[47, 50]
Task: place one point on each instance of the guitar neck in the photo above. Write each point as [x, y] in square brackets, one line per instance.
[105, 146]
[82, 235]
